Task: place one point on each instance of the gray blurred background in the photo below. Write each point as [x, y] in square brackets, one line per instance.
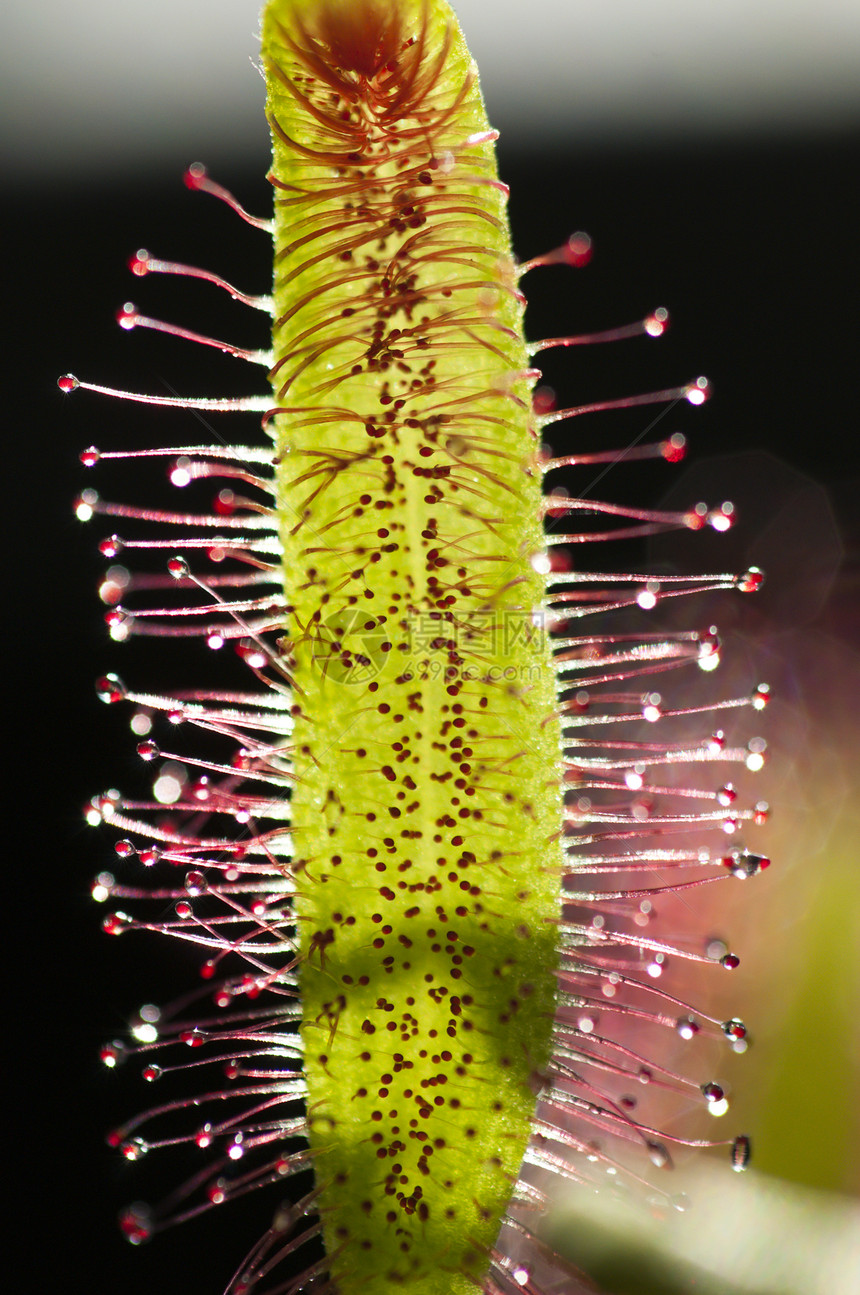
[88, 86]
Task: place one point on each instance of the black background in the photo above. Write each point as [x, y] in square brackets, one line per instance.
[753, 247]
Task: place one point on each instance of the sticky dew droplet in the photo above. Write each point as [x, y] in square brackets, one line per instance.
[657, 322]
[723, 517]
[751, 580]
[116, 923]
[102, 887]
[203, 1137]
[658, 1154]
[113, 1054]
[578, 248]
[651, 707]
[699, 391]
[180, 474]
[252, 655]
[761, 696]
[135, 1224]
[168, 786]
[687, 1027]
[111, 546]
[110, 689]
[127, 316]
[741, 1152]
[85, 505]
[744, 864]
[178, 568]
[134, 1148]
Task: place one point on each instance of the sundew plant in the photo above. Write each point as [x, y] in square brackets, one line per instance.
[422, 853]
